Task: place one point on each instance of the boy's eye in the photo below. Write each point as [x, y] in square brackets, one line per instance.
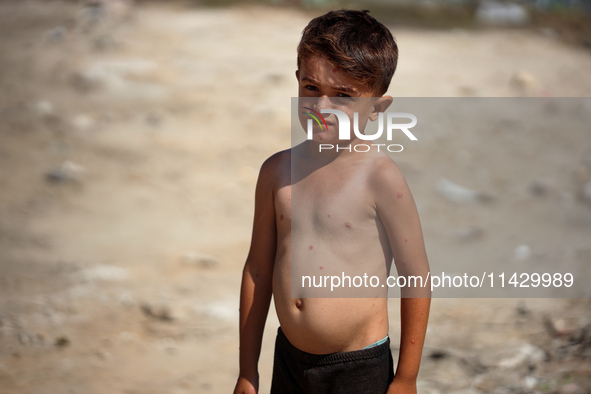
[343, 95]
[311, 87]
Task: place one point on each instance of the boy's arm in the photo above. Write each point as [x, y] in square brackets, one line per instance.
[256, 289]
[414, 313]
[398, 213]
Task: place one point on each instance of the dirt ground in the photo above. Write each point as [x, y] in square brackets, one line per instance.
[130, 141]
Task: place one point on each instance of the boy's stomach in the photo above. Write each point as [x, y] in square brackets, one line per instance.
[317, 322]
[324, 326]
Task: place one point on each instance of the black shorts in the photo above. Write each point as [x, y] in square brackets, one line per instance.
[365, 371]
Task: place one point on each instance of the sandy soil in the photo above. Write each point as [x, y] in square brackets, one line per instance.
[129, 147]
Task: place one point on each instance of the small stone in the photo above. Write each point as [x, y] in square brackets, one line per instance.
[525, 83]
[159, 312]
[468, 234]
[220, 309]
[62, 341]
[44, 108]
[57, 34]
[126, 336]
[38, 340]
[88, 81]
[68, 171]
[275, 79]
[458, 194]
[103, 42]
[103, 273]
[530, 382]
[522, 309]
[487, 383]
[557, 327]
[23, 339]
[526, 355]
[154, 119]
[540, 188]
[468, 91]
[200, 260]
[126, 299]
[82, 122]
[522, 253]
[102, 355]
[438, 354]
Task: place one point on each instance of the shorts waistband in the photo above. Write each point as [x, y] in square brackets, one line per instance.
[332, 358]
[377, 343]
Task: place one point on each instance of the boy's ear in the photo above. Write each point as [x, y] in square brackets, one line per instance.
[380, 105]
[298, 75]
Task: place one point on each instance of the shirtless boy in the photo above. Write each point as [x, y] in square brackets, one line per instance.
[354, 212]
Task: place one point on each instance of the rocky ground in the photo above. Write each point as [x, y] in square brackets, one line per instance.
[127, 192]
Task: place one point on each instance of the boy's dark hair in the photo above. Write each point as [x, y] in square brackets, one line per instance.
[354, 41]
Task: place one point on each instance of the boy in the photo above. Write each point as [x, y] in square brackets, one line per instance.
[353, 210]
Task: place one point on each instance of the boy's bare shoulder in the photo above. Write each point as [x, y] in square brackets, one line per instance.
[384, 171]
[277, 159]
[390, 191]
[276, 167]
[387, 183]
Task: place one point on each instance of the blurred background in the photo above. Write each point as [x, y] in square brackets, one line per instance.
[131, 134]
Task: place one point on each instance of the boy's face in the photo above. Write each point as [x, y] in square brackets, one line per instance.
[324, 86]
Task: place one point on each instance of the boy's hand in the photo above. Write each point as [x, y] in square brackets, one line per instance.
[247, 386]
[401, 386]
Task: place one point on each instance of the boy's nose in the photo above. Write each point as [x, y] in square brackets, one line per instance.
[323, 103]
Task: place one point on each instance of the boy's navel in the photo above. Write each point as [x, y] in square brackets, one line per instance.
[298, 303]
[348, 225]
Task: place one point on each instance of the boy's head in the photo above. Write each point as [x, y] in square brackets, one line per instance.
[354, 42]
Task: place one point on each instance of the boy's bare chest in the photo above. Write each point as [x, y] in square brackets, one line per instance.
[337, 200]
